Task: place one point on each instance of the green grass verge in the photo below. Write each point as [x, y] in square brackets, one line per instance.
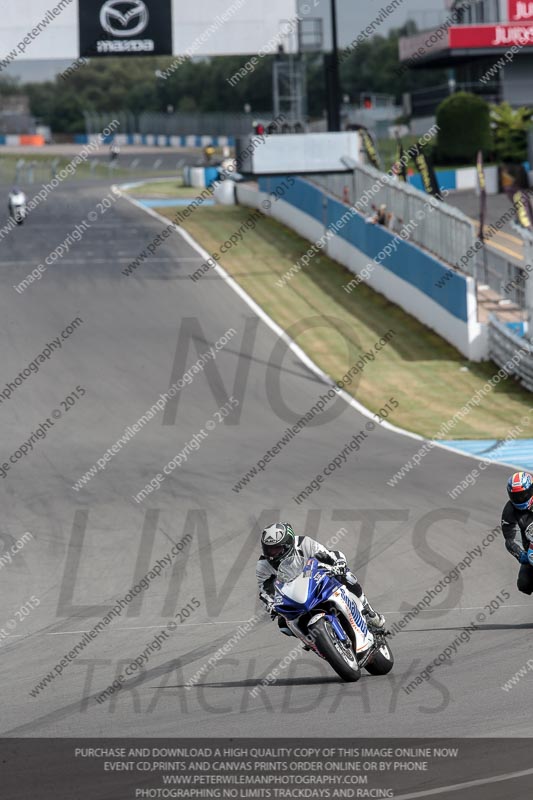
[425, 374]
[164, 189]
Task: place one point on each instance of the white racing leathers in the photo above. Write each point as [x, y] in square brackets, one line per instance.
[293, 565]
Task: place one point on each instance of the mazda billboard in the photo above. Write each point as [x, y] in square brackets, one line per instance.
[125, 27]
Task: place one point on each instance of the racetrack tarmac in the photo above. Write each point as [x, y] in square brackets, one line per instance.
[138, 335]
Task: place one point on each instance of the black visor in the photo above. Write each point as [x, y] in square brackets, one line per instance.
[519, 498]
[273, 551]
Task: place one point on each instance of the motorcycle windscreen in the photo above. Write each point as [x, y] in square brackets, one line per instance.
[313, 587]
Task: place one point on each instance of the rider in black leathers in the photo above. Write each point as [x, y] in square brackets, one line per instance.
[517, 518]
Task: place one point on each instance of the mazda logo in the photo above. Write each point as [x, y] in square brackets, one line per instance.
[116, 17]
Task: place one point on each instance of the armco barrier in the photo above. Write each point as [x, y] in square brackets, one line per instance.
[408, 276]
[504, 344]
[16, 139]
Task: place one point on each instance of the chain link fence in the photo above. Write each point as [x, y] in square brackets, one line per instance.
[179, 123]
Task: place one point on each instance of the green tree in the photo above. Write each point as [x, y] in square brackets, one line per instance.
[511, 126]
[9, 86]
[464, 128]
[108, 85]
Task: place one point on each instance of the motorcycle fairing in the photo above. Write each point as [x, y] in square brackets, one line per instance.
[315, 587]
[312, 587]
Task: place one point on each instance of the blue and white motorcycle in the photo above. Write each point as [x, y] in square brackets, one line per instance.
[328, 618]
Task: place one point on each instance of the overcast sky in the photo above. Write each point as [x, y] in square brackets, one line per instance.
[354, 16]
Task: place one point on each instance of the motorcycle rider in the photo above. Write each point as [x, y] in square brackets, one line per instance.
[16, 197]
[285, 553]
[517, 517]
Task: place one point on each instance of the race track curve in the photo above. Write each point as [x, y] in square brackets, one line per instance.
[138, 335]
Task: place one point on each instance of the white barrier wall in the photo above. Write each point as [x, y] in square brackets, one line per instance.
[297, 153]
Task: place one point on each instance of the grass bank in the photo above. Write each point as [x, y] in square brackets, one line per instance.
[429, 379]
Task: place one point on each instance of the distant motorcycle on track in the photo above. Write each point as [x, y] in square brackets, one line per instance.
[328, 619]
[17, 206]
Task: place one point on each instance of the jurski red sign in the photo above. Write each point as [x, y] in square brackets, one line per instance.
[471, 36]
[520, 10]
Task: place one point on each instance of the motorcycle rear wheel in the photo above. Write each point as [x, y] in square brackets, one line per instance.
[341, 657]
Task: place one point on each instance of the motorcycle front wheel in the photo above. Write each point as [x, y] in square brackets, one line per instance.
[382, 661]
[338, 654]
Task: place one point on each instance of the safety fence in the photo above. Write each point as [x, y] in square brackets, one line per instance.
[503, 345]
[504, 276]
[446, 232]
[410, 277]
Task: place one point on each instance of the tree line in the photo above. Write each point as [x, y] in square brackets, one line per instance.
[132, 84]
